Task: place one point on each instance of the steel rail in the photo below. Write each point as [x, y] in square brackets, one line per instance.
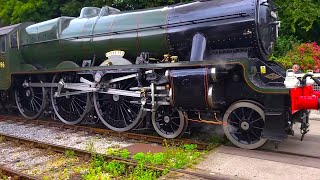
[134, 136]
[15, 174]
[83, 153]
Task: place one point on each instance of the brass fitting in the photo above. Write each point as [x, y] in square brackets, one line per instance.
[166, 58]
[174, 59]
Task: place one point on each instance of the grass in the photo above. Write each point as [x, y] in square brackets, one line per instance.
[69, 154]
[3, 177]
[19, 164]
[1, 139]
[216, 141]
[90, 147]
[174, 157]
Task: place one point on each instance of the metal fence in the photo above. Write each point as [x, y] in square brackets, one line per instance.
[316, 87]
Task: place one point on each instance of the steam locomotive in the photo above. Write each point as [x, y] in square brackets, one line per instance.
[201, 61]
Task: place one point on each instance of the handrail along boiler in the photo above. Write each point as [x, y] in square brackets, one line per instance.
[170, 66]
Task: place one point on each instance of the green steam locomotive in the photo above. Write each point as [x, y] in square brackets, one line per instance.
[199, 61]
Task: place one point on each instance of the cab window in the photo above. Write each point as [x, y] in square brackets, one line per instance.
[2, 44]
[13, 40]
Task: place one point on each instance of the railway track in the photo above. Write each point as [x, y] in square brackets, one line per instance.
[126, 135]
[272, 154]
[59, 151]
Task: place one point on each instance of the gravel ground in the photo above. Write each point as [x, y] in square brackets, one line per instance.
[42, 163]
[69, 138]
[6, 154]
[55, 163]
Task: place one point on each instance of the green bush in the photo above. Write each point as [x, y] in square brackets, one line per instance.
[306, 55]
[284, 45]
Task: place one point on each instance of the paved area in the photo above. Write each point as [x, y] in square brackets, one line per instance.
[234, 163]
[315, 115]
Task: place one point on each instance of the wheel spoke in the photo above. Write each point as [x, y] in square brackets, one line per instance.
[257, 127]
[72, 109]
[123, 116]
[118, 113]
[172, 128]
[128, 102]
[105, 103]
[128, 85]
[250, 114]
[236, 115]
[256, 120]
[234, 123]
[243, 114]
[32, 105]
[130, 109]
[78, 99]
[167, 122]
[77, 104]
[76, 109]
[107, 108]
[252, 132]
[126, 112]
[114, 112]
[30, 101]
[247, 137]
[37, 104]
[175, 123]
[36, 97]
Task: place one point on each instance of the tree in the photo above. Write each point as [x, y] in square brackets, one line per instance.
[13, 11]
[300, 18]
[16, 11]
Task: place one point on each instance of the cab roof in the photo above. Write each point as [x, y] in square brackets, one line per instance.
[7, 29]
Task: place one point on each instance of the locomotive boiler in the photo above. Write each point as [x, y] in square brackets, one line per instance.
[172, 65]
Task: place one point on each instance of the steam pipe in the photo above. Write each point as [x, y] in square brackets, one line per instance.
[199, 45]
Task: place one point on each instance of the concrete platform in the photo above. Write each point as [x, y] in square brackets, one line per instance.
[236, 163]
[315, 115]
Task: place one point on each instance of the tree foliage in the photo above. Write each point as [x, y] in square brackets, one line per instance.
[13, 11]
[300, 18]
[16, 11]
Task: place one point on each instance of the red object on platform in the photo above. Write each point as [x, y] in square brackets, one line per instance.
[304, 98]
